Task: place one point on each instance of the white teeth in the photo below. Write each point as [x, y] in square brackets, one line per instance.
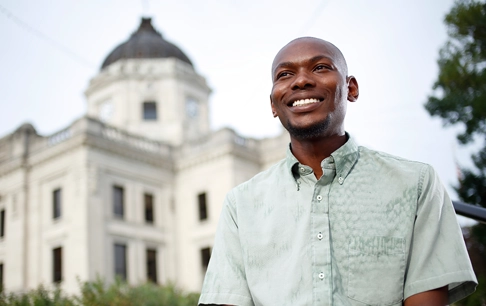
[304, 102]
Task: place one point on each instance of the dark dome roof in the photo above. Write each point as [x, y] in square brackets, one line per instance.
[146, 42]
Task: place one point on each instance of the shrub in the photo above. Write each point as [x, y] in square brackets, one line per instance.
[97, 293]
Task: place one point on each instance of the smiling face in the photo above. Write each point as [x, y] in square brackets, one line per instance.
[311, 88]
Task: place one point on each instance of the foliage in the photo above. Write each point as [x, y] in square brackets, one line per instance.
[460, 98]
[97, 293]
[460, 90]
[39, 297]
[461, 85]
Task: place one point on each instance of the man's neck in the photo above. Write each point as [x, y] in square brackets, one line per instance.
[311, 152]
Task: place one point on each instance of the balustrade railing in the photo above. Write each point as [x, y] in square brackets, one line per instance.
[135, 141]
[59, 136]
[96, 128]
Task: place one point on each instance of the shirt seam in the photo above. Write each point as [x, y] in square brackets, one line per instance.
[421, 181]
[437, 276]
[391, 156]
[228, 293]
[215, 294]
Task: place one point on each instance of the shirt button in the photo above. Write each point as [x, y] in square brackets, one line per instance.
[321, 275]
[319, 197]
[302, 169]
[340, 180]
[319, 236]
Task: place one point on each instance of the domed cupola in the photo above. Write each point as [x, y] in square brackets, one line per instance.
[146, 42]
[149, 87]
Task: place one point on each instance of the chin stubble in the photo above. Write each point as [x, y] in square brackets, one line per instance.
[314, 131]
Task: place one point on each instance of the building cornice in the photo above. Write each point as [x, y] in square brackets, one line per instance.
[89, 132]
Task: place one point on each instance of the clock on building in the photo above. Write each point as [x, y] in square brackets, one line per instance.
[192, 107]
[106, 110]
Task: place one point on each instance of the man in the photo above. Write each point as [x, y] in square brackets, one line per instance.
[334, 223]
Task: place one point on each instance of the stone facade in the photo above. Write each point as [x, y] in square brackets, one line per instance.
[133, 188]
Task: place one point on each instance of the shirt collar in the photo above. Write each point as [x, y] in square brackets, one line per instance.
[345, 157]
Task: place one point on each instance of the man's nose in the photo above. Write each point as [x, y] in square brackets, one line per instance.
[303, 80]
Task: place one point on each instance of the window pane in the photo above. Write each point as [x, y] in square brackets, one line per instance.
[149, 111]
[152, 265]
[57, 265]
[149, 208]
[118, 208]
[2, 223]
[203, 213]
[205, 256]
[1, 277]
[120, 261]
[56, 203]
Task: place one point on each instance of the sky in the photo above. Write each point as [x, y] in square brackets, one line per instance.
[51, 49]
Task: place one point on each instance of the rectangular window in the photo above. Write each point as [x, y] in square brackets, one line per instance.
[57, 265]
[118, 205]
[203, 212]
[1, 277]
[149, 110]
[205, 256]
[56, 203]
[2, 223]
[152, 265]
[121, 261]
[149, 208]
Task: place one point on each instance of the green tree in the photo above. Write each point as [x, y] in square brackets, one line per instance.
[460, 98]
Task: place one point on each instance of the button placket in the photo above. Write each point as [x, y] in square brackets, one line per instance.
[322, 258]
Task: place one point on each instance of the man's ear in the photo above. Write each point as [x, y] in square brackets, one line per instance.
[274, 112]
[353, 89]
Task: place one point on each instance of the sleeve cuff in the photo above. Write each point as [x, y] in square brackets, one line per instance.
[225, 299]
[460, 284]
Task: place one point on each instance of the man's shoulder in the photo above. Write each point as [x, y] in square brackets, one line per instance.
[369, 155]
[380, 164]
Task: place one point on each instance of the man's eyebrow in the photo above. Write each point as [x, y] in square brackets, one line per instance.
[311, 60]
[283, 65]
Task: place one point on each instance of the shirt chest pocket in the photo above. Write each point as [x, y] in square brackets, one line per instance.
[376, 270]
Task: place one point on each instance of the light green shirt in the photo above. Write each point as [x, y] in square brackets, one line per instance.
[373, 230]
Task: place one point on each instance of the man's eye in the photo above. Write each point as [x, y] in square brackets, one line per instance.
[321, 67]
[282, 74]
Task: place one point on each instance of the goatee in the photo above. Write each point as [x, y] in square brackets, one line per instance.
[314, 131]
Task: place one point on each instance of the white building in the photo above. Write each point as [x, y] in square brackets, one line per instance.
[134, 188]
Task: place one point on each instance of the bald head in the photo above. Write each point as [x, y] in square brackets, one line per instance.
[302, 43]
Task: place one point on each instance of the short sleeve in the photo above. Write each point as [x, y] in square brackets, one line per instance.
[438, 255]
[225, 280]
